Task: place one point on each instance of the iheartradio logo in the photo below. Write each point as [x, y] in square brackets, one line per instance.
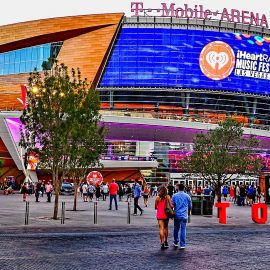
[217, 60]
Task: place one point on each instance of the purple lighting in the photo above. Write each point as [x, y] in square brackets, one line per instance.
[137, 132]
[14, 126]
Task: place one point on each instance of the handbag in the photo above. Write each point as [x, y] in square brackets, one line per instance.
[169, 212]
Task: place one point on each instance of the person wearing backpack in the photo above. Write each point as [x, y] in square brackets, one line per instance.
[163, 221]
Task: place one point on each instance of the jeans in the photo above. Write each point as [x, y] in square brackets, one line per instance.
[37, 195]
[180, 222]
[113, 197]
[136, 205]
[49, 195]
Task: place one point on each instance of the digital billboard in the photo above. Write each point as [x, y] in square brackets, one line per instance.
[182, 58]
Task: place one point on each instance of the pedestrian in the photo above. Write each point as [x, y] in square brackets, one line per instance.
[232, 193]
[189, 190]
[199, 190]
[105, 190]
[137, 195]
[98, 192]
[49, 189]
[129, 193]
[182, 207]
[163, 220]
[37, 190]
[155, 193]
[42, 188]
[85, 191]
[259, 194]
[120, 192]
[113, 190]
[146, 192]
[250, 194]
[242, 195]
[225, 192]
[24, 191]
[171, 189]
[91, 191]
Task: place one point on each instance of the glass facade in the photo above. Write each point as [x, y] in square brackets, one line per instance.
[173, 58]
[156, 71]
[27, 59]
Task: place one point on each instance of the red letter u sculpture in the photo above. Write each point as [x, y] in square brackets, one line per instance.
[255, 213]
[222, 212]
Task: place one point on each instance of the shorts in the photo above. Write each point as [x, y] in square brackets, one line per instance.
[145, 196]
[91, 195]
[84, 194]
[225, 195]
[250, 196]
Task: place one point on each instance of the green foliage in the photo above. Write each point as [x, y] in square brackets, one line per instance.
[61, 121]
[222, 153]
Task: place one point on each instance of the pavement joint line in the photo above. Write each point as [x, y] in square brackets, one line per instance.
[126, 233]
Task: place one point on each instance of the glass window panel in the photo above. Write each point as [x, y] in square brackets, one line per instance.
[11, 68]
[28, 54]
[6, 68]
[21, 56]
[28, 66]
[6, 58]
[34, 54]
[11, 57]
[22, 67]
[46, 52]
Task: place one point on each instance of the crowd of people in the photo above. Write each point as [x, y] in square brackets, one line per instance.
[171, 201]
[39, 189]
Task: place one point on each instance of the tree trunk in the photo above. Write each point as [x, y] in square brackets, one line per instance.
[57, 186]
[218, 195]
[75, 194]
[219, 191]
[55, 211]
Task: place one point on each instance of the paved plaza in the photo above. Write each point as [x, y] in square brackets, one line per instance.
[79, 244]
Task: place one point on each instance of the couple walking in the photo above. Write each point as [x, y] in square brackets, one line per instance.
[181, 203]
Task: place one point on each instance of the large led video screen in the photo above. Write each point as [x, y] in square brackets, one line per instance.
[181, 58]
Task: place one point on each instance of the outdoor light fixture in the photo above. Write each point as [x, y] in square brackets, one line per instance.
[35, 89]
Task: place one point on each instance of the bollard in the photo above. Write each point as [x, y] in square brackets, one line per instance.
[128, 214]
[26, 218]
[95, 212]
[63, 213]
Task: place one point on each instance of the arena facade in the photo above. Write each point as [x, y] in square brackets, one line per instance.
[161, 81]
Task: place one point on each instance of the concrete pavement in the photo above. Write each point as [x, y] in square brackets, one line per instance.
[12, 213]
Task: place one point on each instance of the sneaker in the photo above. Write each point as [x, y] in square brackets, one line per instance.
[141, 212]
[182, 248]
[135, 214]
[109, 209]
[175, 244]
[162, 246]
[166, 244]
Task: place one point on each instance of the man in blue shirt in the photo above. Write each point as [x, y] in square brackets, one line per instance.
[137, 195]
[182, 206]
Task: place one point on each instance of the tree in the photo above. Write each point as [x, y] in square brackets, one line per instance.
[223, 153]
[62, 111]
[85, 147]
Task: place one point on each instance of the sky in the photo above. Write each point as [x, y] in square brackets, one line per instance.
[13, 11]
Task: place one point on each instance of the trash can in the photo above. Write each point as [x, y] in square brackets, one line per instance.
[207, 206]
[196, 205]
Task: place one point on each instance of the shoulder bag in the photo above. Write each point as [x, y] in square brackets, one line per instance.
[168, 210]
